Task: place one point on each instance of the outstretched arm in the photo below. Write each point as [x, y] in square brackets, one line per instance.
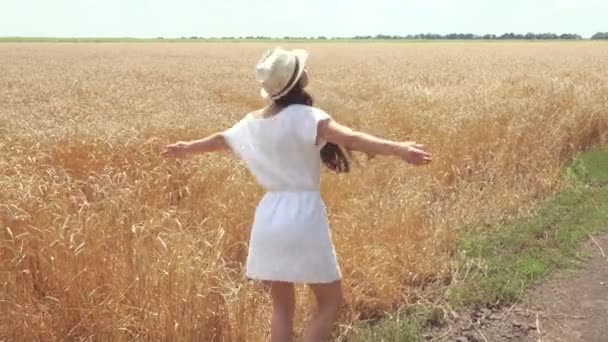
[336, 133]
[213, 143]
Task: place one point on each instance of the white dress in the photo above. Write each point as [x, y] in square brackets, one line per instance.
[290, 238]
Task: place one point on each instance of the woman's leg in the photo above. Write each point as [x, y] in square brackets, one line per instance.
[283, 308]
[329, 298]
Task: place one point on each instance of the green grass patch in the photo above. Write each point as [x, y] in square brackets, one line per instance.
[408, 329]
[407, 325]
[499, 262]
[507, 258]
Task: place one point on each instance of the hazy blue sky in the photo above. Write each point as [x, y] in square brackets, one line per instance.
[175, 18]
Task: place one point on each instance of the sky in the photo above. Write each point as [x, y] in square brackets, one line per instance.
[278, 18]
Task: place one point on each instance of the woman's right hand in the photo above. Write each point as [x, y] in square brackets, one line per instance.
[413, 153]
[178, 149]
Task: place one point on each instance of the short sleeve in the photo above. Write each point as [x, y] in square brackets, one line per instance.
[309, 123]
[237, 136]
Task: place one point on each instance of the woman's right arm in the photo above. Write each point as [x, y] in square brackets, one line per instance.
[213, 143]
[332, 131]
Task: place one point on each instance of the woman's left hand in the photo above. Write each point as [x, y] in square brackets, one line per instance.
[414, 153]
[179, 149]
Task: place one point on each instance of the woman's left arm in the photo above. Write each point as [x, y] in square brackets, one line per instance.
[213, 143]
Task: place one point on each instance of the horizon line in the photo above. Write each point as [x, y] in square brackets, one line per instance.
[317, 37]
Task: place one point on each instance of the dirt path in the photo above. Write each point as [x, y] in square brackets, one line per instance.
[576, 309]
[566, 308]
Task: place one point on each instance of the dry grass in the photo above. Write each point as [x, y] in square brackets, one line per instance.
[100, 239]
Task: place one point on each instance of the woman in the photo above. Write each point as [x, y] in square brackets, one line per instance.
[283, 145]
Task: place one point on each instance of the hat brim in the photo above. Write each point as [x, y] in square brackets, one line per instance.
[302, 57]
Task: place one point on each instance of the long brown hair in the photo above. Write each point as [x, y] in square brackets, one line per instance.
[332, 155]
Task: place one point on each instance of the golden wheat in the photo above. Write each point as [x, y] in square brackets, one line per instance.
[101, 239]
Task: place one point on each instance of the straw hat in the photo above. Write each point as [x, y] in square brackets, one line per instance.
[279, 70]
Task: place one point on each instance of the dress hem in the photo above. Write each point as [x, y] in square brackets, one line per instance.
[291, 280]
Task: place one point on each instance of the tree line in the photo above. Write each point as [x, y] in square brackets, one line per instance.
[430, 36]
[600, 35]
[470, 36]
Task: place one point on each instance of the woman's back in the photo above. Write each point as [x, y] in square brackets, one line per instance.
[281, 151]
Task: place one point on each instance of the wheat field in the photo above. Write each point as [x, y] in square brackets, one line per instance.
[103, 240]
